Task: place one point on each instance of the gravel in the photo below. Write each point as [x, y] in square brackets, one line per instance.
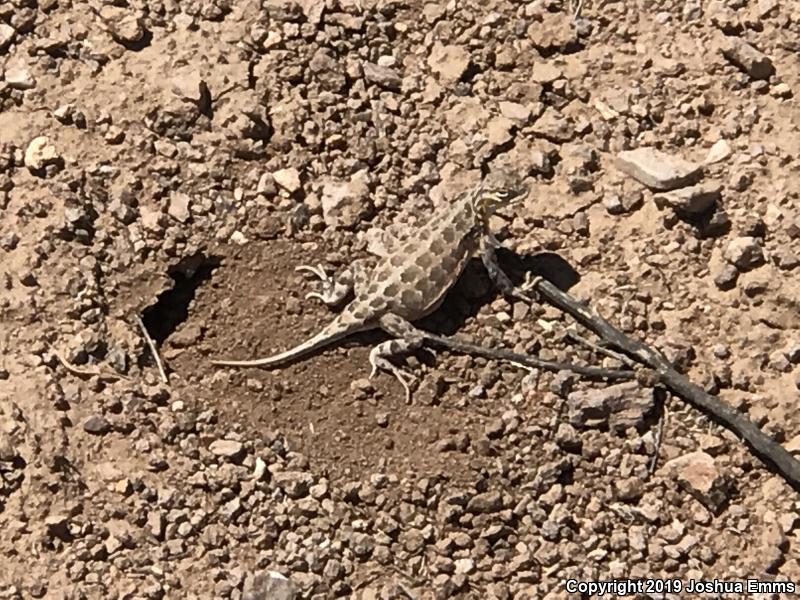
[178, 160]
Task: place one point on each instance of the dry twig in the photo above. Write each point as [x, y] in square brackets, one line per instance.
[86, 372]
[153, 349]
[438, 341]
[576, 14]
[767, 449]
[662, 419]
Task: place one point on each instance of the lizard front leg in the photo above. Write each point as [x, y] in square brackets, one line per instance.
[489, 245]
[336, 289]
[407, 339]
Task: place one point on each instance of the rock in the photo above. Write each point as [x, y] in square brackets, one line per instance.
[545, 73]
[793, 445]
[294, 483]
[19, 78]
[698, 473]
[778, 361]
[58, 526]
[692, 200]
[125, 27]
[288, 179]
[567, 438]
[781, 90]
[725, 276]
[756, 64]
[7, 450]
[613, 204]
[630, 489]
[186, 336]
[554, 126]
[113, 544]
[449, 62]
[765, 7]
[744, 253]
[488, 502]
[793, 354]
[719, 224]
[96, 425]
[552, 33]
[260, 469]
[189, 86]
[156, 524]
[40, 153]
[464, 565]
[238, 238]
[6, 36]
[617, 407]
[413, 540]
[345, 204]
[793, 228]
[718, 152]
[515, 111]
[179, 206]
[772, 548]
[231, 509]
[494, 429]
[382, 76]
[657, 170]
[226, 448]
[498, 131]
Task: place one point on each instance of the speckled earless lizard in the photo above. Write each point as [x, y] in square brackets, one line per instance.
[411, 280]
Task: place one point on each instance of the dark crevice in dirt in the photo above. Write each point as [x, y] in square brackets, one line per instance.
[172, 307]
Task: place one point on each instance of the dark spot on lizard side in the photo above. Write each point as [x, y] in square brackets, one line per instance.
[425, 261]
[412, 274]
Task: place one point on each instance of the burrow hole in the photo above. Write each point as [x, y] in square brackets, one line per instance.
[172, 307]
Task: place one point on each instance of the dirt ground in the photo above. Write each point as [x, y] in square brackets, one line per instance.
[167, 165]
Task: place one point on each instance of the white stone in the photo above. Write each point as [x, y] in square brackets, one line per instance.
[19, 78]
[718, 152]
[288, 179]
[449, 62]
[6, 35]
[238, 238]
[658, 170]
[179, 207]
[39, 153]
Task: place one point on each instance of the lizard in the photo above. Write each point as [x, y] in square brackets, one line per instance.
[410, 280]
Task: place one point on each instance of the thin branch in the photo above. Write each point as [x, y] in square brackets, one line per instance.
[531, 362]
[662, 419]
[767, 449]
[153, 349]
[87, 372]
[577, 13]
[576, 337]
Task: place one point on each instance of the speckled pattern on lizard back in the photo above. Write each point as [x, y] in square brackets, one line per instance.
[411, 281]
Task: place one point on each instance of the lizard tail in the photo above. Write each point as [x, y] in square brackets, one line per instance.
[337, 329]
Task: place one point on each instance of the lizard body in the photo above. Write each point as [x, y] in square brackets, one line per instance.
[411, 281]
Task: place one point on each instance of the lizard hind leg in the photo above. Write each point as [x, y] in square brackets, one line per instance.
[408, 338]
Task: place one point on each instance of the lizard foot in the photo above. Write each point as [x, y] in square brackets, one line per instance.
[378, 360]
[528, 287]
[333, 292]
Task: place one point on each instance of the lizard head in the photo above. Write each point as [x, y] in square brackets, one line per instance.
[496, 190]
